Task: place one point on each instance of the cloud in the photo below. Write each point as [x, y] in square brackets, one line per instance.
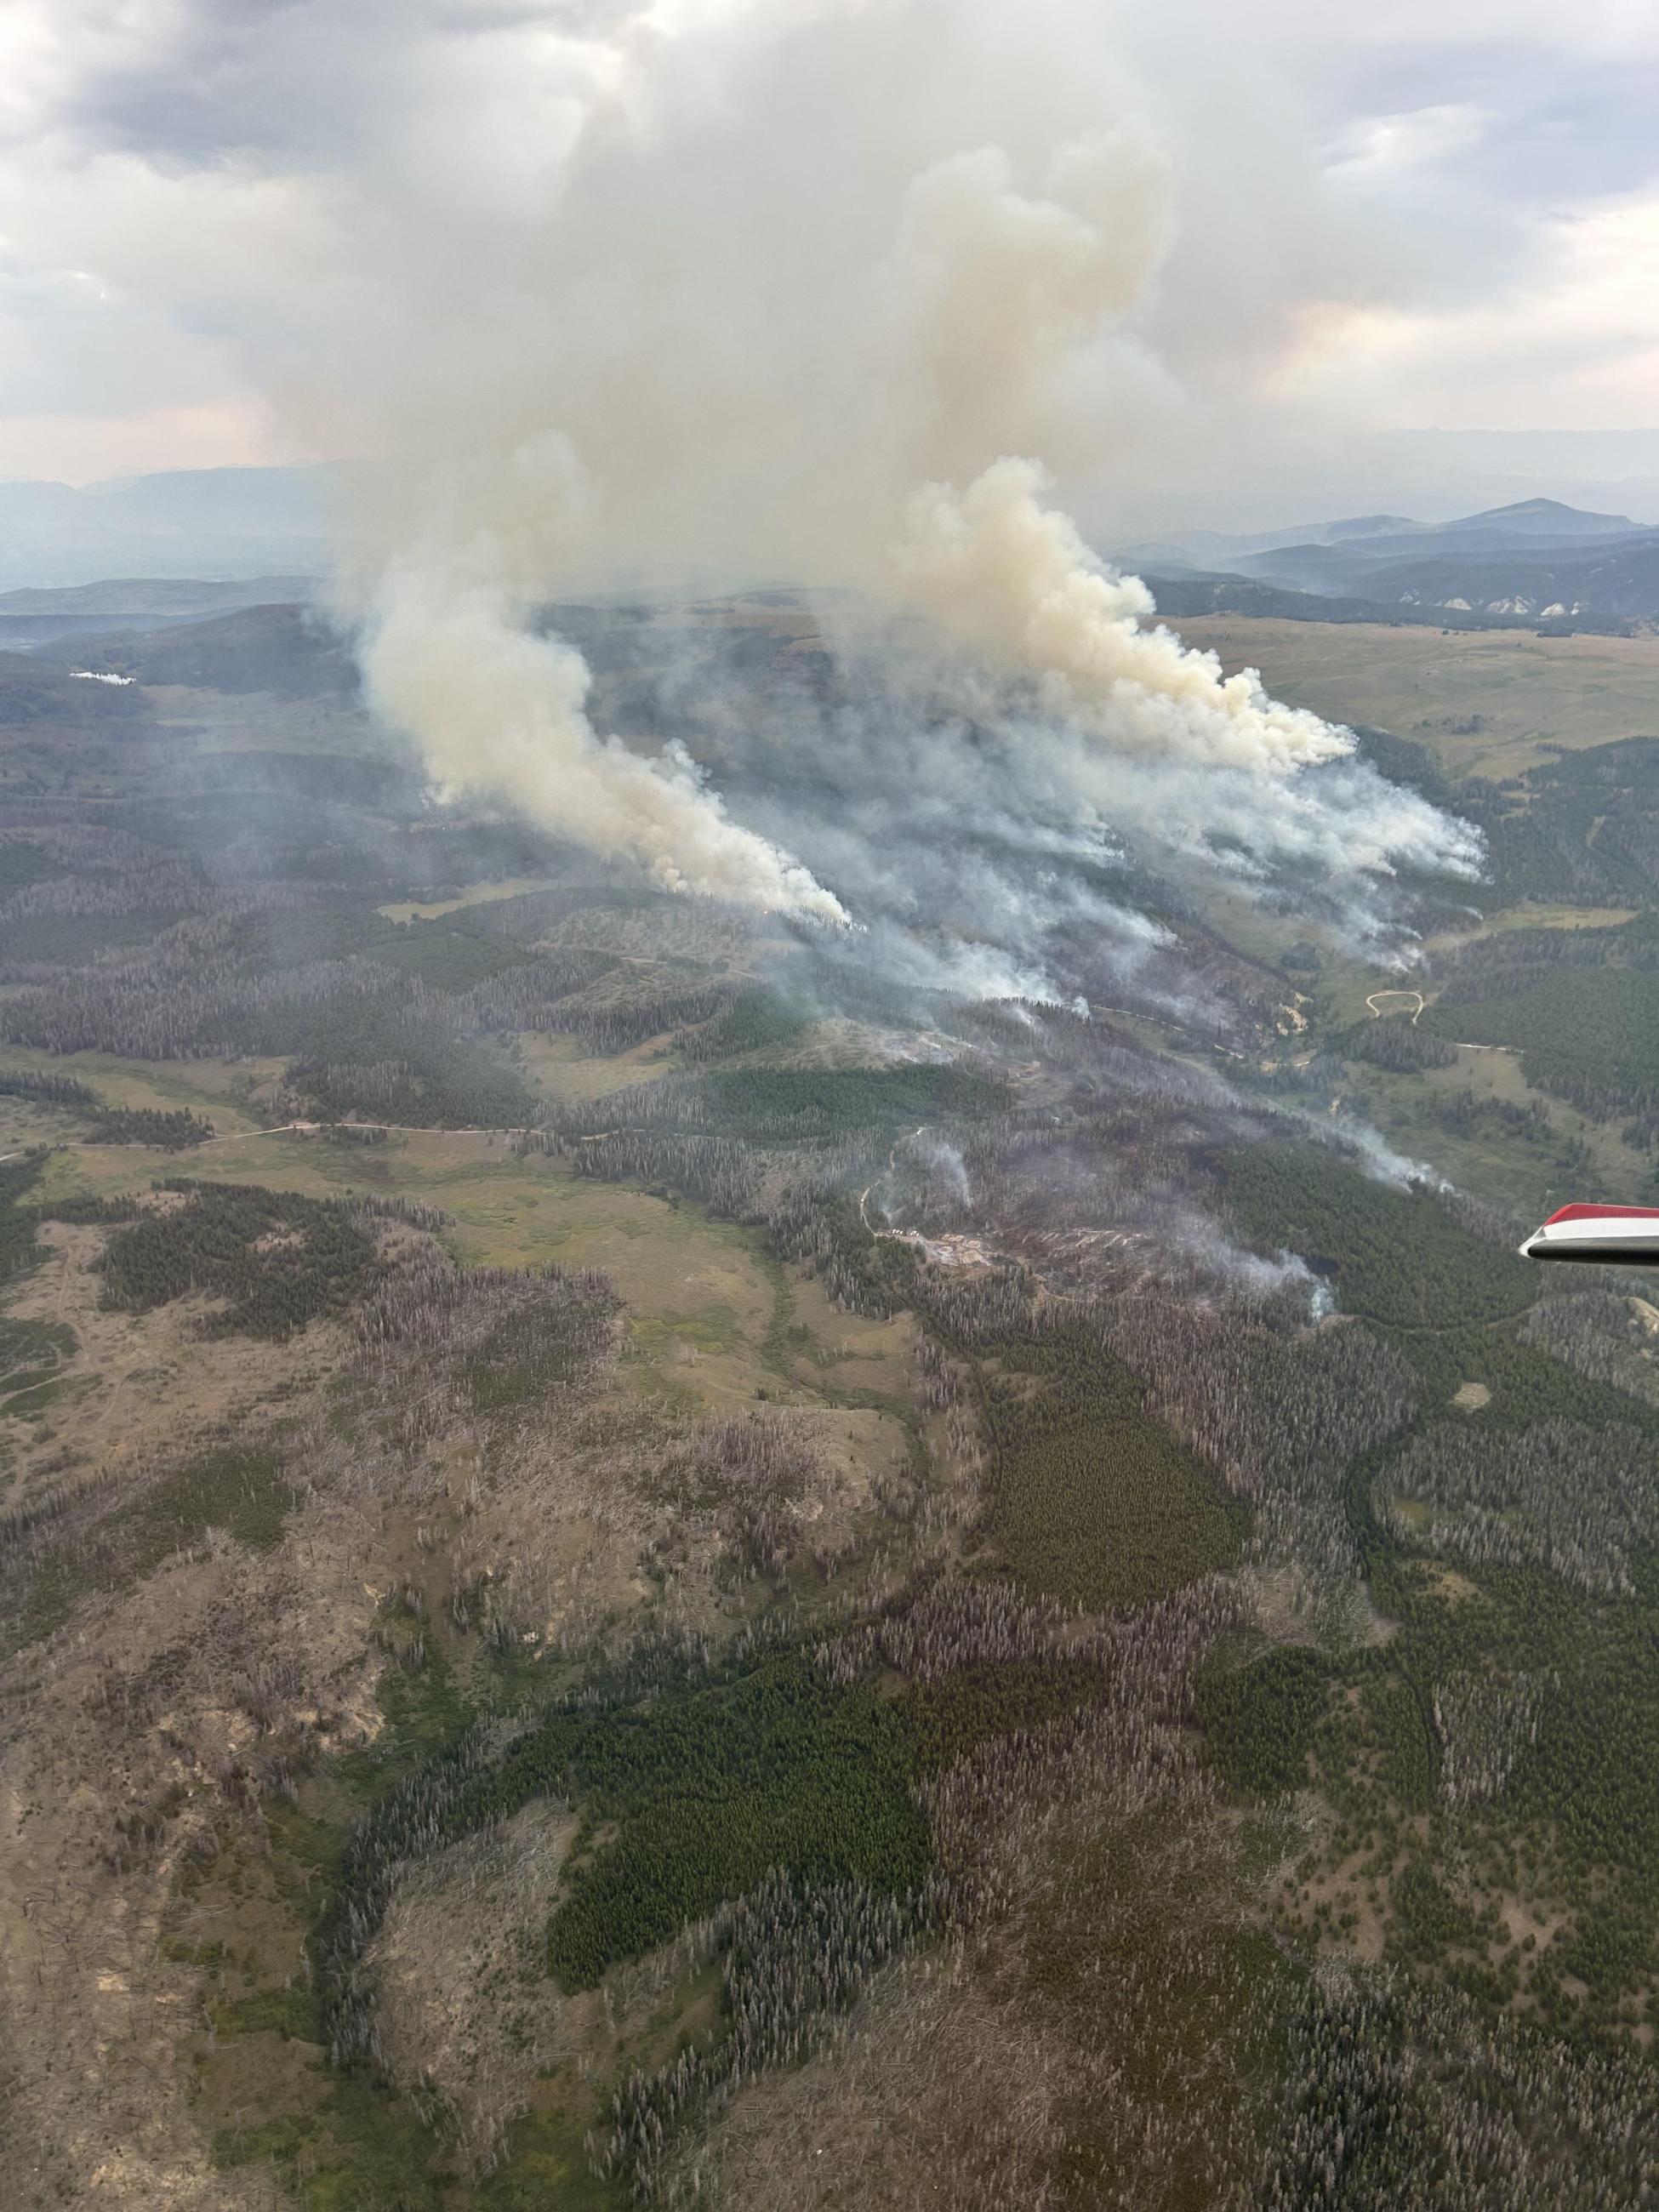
[1386, 177]
[1574, 337]
[85, 448]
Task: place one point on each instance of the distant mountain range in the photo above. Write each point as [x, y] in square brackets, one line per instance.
[1538, 561]
[184, 523]
[40, 616]
[180, 545]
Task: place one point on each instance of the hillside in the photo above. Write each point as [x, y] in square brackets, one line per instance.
[40, 616]
[1537, 560]
[1620, 580]
[33, 691]
[283, 649]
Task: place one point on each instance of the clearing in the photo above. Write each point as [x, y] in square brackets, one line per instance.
[1488, 702]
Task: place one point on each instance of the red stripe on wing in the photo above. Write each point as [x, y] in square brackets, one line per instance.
[1605, 1213]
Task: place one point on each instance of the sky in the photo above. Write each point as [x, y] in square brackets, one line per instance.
[1384, 223]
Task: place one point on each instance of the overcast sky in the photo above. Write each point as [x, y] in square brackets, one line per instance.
[1429, 214]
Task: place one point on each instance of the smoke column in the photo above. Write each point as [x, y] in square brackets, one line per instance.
[849, 292]
[448, 654]
[1013, 579]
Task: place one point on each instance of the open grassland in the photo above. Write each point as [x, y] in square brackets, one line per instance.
[1523, 694]
[844, 1352]
[1572, 1155]
[712, 1318]
[1345, 980]
[691, 1282]
[470, 895]
[556, 1064]
[26, 1121]
[216, 1090]
[1537, 916]
[1243, 923]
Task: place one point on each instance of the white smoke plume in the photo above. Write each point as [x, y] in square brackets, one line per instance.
[1381, 1162]
[1013, 580]
[497, 710]
[820, 290]
[448, 654]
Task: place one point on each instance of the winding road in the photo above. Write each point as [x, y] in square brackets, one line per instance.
[1372, 997]
[903, 1235]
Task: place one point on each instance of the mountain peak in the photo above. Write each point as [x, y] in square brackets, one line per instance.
[1368, 525]
[1545, 516]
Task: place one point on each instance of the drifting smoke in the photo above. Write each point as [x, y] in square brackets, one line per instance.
[945, 1164]
[1380, 1160]
[1247, 1275]
[818, 291]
